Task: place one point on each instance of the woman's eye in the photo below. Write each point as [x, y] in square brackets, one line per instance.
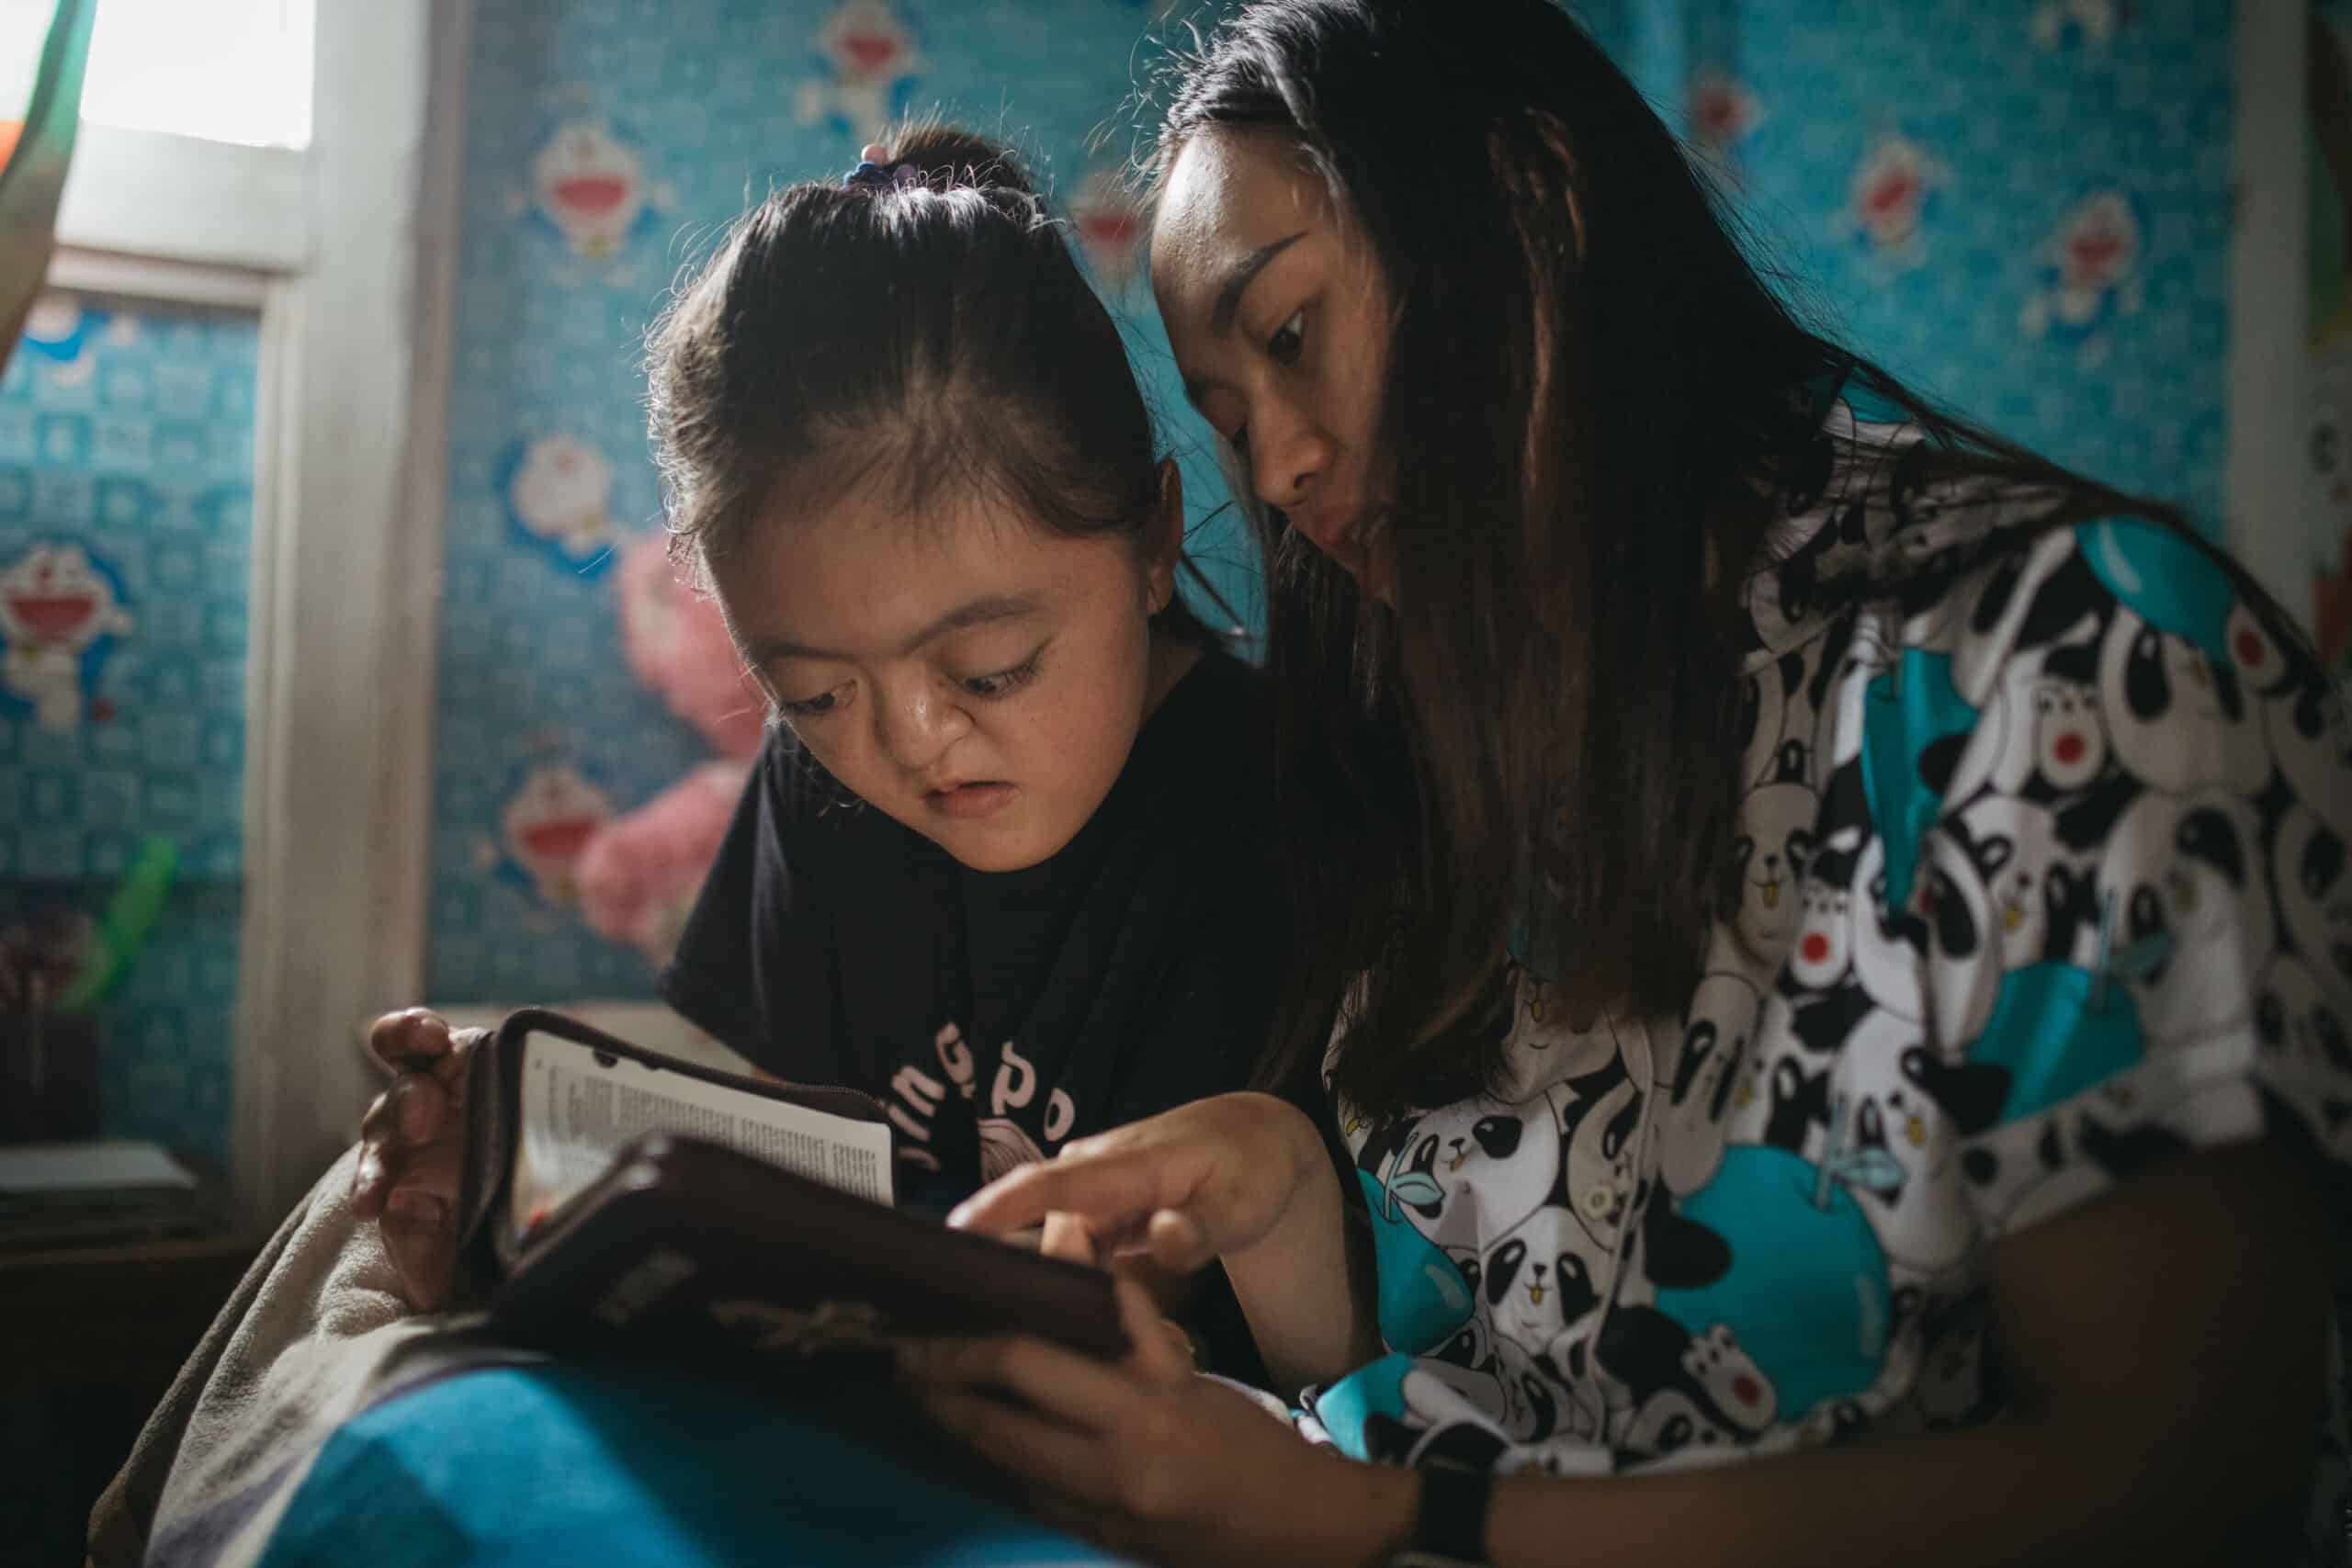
[1239, 439]
[1289, 340]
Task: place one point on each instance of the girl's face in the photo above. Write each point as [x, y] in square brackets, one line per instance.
[974, 676]
[1278, 316]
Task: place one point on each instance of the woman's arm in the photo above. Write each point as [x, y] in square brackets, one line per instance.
[1309, 1288]
[2166, 1348]
[2164, 1344]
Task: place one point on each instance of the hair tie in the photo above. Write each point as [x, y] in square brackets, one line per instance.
[884, 176]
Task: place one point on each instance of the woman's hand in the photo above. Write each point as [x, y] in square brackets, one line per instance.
[1240, 1177]
[1204, 1181]
[412, 1149]
[1149, 1458]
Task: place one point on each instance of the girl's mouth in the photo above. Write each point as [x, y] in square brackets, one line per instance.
[965, 802]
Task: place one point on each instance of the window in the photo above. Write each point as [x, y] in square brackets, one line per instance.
[219, 70]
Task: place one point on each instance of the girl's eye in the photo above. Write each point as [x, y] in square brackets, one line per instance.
[1004, 683]
[817, 707]
[1289, 340]
[1239, 439]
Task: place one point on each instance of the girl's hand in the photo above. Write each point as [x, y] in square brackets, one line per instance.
[412, 1146]
[1151, 1460]
[1207, 1180]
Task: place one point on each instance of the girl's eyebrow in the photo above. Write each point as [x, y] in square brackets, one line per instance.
[985, 611]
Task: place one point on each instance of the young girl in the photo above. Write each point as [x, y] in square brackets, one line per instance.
[1005, 862]
[1839, 928]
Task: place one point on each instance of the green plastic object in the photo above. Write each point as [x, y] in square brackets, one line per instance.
[122, 931]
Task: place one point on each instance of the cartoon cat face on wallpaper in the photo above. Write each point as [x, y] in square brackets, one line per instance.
[55, 606]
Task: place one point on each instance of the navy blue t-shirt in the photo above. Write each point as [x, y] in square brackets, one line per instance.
[998, 1015]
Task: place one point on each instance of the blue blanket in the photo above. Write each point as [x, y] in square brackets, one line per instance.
[568, 1463]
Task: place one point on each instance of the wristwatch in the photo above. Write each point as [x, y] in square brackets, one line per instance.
[1451, 1529]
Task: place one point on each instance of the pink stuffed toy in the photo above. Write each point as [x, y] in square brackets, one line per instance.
[639, 874]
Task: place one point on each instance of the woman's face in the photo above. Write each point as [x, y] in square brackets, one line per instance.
[1279, 318]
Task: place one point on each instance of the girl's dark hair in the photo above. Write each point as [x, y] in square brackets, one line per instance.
[1595, 414]
[930, 331]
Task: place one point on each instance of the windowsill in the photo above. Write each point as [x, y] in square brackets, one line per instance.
[146, 192]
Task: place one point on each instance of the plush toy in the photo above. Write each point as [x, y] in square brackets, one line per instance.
[639, 874]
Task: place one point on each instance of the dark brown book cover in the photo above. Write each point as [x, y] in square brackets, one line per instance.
[686, 1249]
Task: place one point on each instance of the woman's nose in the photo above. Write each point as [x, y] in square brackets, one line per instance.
[1289, 461]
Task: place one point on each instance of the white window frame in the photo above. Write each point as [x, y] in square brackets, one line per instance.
[346, 249]
[2266, 491]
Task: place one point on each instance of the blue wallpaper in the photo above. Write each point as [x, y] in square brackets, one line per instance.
[126, 518]
[2020, 205]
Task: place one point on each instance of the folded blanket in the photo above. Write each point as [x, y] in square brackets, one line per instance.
[320, 1423]
[316, 1332]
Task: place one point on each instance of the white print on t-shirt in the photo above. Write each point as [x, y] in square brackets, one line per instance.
[1005, 1144]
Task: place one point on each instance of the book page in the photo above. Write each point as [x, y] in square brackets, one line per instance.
[580, 1109]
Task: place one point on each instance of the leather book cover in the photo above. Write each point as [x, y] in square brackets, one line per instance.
[686, 1249]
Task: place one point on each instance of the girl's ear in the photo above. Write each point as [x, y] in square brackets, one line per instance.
[1163, 539]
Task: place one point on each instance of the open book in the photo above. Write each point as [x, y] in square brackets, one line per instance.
[627, 1201]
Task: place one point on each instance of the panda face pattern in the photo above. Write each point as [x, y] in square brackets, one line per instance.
[2313, 872]
[1768, 858]
[1956, 915]
[2000, 610]
[1492, 1164]
[2137, 843]
[2191, 918]
[1438, 1394]
[1675, 1428]
[2069, 738]
[1705, 1072]
[1597, 1172]
[2176, 720]
[1920, 1216]
[1888, 949]
[2311, 735]
[2027, 873]
[1470, 1348]
[1543, 1276]
[2296, 1020]
[2261, 663]
[1735, 1385]
[1824, 950]
[1546, 1047]
[1538, 1403]
[1838, 727]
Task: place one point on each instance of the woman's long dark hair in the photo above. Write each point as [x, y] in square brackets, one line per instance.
[1594, 416]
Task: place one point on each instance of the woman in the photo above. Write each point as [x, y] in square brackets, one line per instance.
[1837, 926]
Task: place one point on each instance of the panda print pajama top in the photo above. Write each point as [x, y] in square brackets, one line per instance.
[2042, 876]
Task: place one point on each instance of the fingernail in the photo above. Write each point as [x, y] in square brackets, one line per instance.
[415, 1118]
[958, 1215]
[371, 1171]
